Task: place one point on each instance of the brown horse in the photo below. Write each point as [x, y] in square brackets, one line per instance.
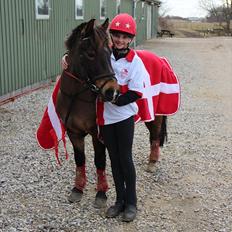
[89, 75]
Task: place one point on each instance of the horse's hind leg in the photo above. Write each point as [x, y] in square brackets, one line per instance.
[100, 163]
[158, 134]
[77, 140]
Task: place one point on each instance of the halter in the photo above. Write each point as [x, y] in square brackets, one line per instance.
[96, 89]
[90, 83]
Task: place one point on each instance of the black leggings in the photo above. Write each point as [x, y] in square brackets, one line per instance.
[118, 138]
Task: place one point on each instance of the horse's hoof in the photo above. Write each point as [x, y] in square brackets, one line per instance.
[75, 195]
[152, 166]
[100, 200]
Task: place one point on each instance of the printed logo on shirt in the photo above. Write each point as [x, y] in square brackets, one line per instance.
[124, 73]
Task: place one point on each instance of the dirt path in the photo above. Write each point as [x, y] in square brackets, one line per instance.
[198, 157]
[190, 191]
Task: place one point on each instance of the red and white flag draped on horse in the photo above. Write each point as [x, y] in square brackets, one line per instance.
[161, 96]
[161, 93]
[51, 129]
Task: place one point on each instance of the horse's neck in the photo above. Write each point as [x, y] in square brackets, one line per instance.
[69, 84]
[74, 99]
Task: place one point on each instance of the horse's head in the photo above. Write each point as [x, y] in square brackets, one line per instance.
[89, 58]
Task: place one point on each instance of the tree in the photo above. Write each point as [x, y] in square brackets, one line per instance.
[164, 9]
[222, 11]
[163, 20]
[227, 12]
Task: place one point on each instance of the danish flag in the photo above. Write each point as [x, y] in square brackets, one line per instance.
[161, 93]
[51, 129]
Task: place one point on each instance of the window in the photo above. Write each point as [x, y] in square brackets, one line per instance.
[143, 11]
[102, 9]
[42, 9]
[118, 2]
[79, 9]
[143, 4]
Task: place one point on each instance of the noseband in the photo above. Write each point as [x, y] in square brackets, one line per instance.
[90, 83]
[108, 77]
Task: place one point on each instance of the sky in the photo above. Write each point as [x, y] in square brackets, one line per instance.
[184, 8]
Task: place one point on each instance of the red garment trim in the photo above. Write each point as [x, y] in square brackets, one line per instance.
[123, 88]
[130, 55]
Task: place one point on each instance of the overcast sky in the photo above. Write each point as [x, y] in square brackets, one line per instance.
[184, 8]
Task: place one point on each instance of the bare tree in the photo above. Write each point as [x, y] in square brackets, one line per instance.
[227, 12]
[222, 11]
[164, 9]
[163, 12]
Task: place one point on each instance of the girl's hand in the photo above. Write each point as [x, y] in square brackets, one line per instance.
[64, 63]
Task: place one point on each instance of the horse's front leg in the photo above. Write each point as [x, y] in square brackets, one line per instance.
[158, 134]
[100, 164]
[77, 140]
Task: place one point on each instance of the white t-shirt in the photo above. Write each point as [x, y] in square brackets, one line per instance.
[130, 73]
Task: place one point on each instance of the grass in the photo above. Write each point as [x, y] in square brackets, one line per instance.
[178, 24]
[183, 28]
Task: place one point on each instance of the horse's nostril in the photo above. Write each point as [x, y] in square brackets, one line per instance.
[109, 94]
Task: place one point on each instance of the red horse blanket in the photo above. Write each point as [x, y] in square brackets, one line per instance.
[161, 96]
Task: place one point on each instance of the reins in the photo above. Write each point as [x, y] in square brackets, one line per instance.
[74, 77]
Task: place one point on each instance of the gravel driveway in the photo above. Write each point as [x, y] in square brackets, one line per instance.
[191, 189]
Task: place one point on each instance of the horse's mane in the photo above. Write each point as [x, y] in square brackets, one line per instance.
[71, 39]
[77, 33]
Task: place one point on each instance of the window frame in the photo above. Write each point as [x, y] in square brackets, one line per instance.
[39, 16]
[78, 17]
[102, 3]
[118, 6]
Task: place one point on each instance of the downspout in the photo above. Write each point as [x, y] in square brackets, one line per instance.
[134, 16]
[156, 4]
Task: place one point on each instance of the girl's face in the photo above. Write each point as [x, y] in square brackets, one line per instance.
[120, 40]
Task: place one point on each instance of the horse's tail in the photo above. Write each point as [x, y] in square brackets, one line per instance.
[163, 136]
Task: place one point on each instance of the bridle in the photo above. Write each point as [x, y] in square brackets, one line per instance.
[90, 83]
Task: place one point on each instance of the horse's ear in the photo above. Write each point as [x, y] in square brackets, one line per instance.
[89, 27]
[105, 24]
[70, 40]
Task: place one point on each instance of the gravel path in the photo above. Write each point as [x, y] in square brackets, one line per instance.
[190, 191]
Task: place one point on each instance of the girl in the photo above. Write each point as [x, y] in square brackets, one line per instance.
[116, 119]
